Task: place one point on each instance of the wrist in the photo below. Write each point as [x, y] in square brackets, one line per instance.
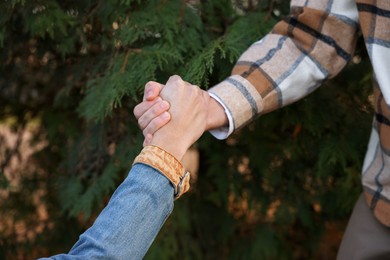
[169, 144]
[216, 116]
[166, 164]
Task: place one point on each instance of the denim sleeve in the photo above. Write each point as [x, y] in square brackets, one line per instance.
[127, 226]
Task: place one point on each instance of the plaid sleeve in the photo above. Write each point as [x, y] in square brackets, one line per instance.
[374, 16]
[375, 25]
[309, 46]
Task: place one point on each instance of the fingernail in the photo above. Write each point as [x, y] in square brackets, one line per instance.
[166, 115]
[164, 104]
[149, 94]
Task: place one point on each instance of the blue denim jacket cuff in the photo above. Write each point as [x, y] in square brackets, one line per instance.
[166, 164]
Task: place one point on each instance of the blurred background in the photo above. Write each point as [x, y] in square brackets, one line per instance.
[71, 73]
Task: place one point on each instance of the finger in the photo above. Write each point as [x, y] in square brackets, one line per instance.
[144, 106]
[175, 79]
[152, 90]
[155, 111]
[147, 140]
[156, 124]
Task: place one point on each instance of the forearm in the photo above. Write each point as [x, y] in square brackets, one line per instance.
[137, 210]
[291, 61]
[127, 226]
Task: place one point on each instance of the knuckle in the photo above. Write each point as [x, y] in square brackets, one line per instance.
[141, 123]
[136, 111]
[176, 78]
[145, 132]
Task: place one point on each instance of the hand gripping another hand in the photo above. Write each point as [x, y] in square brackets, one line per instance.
[153, 112]
[186, 121]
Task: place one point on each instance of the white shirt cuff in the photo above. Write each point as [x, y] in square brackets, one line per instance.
[222, 132]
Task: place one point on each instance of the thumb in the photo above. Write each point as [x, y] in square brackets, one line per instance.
[172, 86]
[152, 90]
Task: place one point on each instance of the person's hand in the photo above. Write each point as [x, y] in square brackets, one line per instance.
[152, 113]
[188, 109]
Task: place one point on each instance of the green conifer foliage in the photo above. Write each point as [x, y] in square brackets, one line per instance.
[70, 76]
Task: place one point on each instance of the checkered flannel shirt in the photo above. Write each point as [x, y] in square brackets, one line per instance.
[311, 45]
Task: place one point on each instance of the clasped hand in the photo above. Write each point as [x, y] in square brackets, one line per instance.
[173, 116]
